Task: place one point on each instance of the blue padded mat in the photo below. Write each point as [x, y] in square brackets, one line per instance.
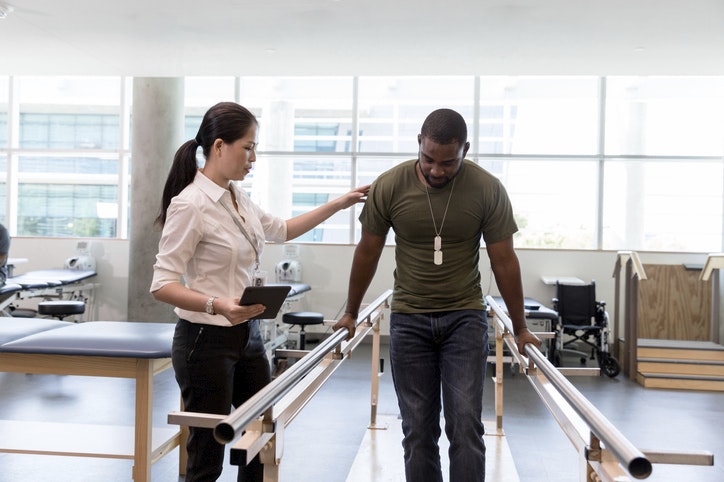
[62, 276]
[50, 278]
[99, 338]
[9, 288]
[15, 328]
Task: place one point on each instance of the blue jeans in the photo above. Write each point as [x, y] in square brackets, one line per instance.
[432, 353]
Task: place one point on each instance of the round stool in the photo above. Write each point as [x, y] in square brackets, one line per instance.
[302, 318]
[61, 308]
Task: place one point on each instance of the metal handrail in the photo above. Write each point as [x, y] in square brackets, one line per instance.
[637, 464]
[230, 427]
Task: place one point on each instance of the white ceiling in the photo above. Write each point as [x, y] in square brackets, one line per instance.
[362, 37]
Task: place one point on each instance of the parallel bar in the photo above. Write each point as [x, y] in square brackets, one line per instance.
[625, 452]
[229, 428]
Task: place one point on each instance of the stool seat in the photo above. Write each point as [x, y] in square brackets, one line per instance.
[61, 308]
[303, 318]
[23, 313]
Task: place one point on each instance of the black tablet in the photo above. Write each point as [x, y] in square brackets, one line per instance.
[270, 296]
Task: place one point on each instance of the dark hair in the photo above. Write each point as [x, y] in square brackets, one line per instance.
[445, 126]
[227, 121]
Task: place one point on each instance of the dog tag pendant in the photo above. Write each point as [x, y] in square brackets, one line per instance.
[437, 258]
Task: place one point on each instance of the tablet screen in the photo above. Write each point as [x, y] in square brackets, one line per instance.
[270, 296]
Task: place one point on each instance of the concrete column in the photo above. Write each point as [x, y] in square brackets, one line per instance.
[158, 127]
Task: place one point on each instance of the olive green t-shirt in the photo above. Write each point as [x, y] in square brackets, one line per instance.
[479, 206]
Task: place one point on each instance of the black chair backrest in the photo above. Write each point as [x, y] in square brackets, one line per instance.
[576, 303]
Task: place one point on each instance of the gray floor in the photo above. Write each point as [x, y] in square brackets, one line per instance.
[322, 442]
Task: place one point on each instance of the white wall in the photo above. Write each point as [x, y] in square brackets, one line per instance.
[326, 269]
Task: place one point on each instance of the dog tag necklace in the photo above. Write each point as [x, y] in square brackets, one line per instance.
[437, 241]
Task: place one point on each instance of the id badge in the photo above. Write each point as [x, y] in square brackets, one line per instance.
[258, 278]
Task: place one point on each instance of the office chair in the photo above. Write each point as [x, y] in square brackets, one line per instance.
[583, 320]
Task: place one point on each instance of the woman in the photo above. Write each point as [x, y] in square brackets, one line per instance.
[213, 236]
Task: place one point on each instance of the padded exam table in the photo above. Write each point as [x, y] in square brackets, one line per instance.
[113, 349]
[50, 278]
[44, 283]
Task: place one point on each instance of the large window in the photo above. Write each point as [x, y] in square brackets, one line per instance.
[4, 133]
[589, 162]
[664, 171]
[391, 109]
[62, 155]
[306, 129]
[663, 205]
[554, 201]
[665, 116]
[527, 129]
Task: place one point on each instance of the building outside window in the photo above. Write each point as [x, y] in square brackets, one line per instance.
[65, 152]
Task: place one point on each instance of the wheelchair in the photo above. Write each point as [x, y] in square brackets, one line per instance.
[583, 320]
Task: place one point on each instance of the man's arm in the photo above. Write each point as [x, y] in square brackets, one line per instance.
[506, 269]
[364, 265]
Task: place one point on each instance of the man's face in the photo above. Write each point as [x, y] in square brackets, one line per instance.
[439, 163]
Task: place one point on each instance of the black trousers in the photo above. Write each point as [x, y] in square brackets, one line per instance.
[217, 368]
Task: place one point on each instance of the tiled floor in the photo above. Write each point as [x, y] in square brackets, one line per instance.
[322, 443]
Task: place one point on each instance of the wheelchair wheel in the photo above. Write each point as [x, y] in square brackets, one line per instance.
[609, 365]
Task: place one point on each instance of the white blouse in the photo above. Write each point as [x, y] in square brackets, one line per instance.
[202, 244]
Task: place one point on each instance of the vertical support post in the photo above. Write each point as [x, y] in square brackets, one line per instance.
[634, 272]
[271, 471]
[632, 325]
[183, 455]
[626, 360]
[498, 378]
[144, 422]
[592, 452]
[711, 271]
[716, 306]
[375, 386]
[617, 345]
[271, 454]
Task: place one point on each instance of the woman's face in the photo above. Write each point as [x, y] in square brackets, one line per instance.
[237, 158]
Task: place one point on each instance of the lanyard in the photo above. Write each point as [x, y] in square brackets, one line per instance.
[245, 233]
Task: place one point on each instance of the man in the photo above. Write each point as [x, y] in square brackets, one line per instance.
[439, 206]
